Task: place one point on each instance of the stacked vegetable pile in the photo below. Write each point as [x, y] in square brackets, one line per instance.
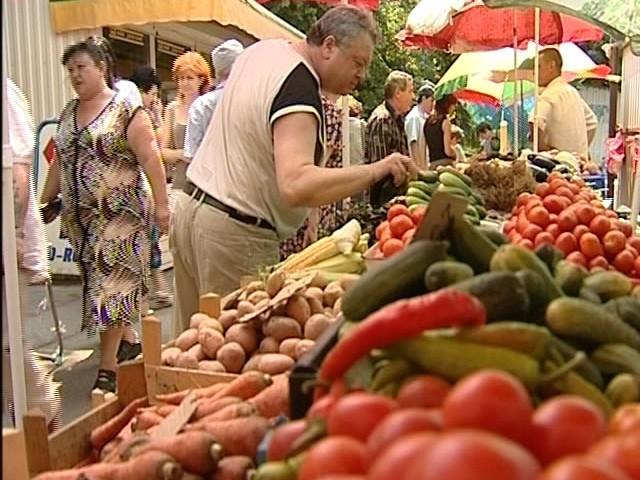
[488, 307]
[220, 441]
[256, 330]
[448, 180]
[397, 231]
[568, 215]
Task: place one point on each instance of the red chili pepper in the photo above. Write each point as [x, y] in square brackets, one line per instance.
[398, 321]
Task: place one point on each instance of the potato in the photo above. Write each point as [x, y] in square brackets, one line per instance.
[254, 286]
[262, 303]
[187, 339]
[282, 327]
[211, 323]
[315, 305]
[332, 293]
[303, 346]
[211, 366]
[275, 283]
[328, 311]
[319, 280]
[253, 363]
[187, 360]
[170, 355]
[288, 347]
[243, 334]
[269, 345]
[211, 341]
[348, 279]
[228, 318]
[198, 352]
[258, 296]
[275, 363]
[232, 356]
[313, 292]
[298, 309]
[245, 307]
[337, 307]
[197, 318]
[316, 325]
[280, 309]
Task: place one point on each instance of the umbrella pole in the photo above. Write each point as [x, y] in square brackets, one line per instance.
[10, 265]
[536, 78]
[346, 160]
[516, 117]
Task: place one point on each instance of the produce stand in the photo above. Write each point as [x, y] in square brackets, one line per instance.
[14, 458]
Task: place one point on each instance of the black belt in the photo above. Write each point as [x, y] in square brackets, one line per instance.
[200, 194]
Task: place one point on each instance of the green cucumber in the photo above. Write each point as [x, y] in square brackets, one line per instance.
[411, 201]
[416, 192]
[471, 246]
[450, 180]
[428, 176]
[454, 171]
[453, 191]
[445, 273]
[427, 188]
[400, 276]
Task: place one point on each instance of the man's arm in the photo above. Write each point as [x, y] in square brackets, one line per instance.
[302, 183]
[194, 131]
[591, 120]
[544, 112]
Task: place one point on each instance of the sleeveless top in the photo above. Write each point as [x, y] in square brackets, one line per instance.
[178, 131]
[434, 137]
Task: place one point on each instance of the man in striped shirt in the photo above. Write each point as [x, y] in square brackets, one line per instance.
[385, 133]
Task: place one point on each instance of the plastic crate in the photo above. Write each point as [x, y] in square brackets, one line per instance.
[305, 371]
[597, 182]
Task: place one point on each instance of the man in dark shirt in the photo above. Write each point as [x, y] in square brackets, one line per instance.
[385, 131]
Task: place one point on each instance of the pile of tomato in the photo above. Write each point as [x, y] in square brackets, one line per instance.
[569, 216]
[397, 231]
[483, 427]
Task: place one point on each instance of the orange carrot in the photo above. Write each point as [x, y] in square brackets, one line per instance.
[162, 410]
[106, 432]
[177, 397]
[240, 436]
[207, 406]
[152, 465]
[273, 400]
[246, 385]
[146, 420]
[196, 451]
[234, 467]
[235, 410]
[123, 451]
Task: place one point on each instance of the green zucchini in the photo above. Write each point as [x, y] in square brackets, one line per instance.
[471, 246]
[627, 308]
[400, 276]
[445, 273]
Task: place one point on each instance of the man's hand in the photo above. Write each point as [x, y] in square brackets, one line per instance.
[400, 167]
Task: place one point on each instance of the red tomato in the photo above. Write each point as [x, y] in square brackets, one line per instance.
[633, 251]
[613, 243]
[578, 181]
[600, 225]
[634, 242]
[553, 229]
[534, 201]
[522, 199]
[621, 450]
[489, 400]
[418, 214]
[539, 216]
[398, 424]
[526, 243]
[473, 454]
[625, 227]
[321, 407]
[585, 214]
[565, 192]
[543, 189]
[400, 224]
[357, 414]
[567, 220]
[565, 425]
[598, 262]
[624, 262]
[575, 189]
[636, 266]
[625, 419]
[402, 452]
[391, 247]
[579, 231]
[333, 455]
[515, 237]
[583, 468]
[408, 236]
[380, 228]
[424, 391]
[555, 175]
[543, 238]
[385, 236]
[557, 183]
[578, 258]
[531, 231]
[553, 204]
[397, 209]
[282, 439]
[509, 226]
[590, 245]
[610, 213]
[566, 243]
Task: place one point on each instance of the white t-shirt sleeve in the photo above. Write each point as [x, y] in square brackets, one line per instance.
[190, 140]
[544, 113]
[21, 131]
[590, 118]
[412, 126]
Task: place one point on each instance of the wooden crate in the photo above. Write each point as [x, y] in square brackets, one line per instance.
[14, 455]
[161, 379]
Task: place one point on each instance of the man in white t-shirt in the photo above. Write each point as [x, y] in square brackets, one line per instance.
[565, 121]
[414, 126]
[258, 171]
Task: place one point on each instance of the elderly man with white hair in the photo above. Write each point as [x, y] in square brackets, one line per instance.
[201, 110]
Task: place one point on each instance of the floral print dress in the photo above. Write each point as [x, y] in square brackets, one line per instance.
[328, 213]
[105, 213]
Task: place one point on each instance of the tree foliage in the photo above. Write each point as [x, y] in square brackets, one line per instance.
[388, 55]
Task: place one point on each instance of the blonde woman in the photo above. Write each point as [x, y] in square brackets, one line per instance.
[192, 75]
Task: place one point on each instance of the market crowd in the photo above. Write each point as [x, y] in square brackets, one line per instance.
[242, 168]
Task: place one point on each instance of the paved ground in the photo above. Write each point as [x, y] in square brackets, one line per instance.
[38, 327]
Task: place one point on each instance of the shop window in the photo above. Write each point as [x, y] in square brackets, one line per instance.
[131, 49]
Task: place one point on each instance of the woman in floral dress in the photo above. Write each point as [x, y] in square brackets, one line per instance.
[102, 146]
[322, 221]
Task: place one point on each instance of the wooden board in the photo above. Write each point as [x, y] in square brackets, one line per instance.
[14, 455]
[161, 380]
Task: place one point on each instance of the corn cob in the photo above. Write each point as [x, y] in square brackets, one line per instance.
[352, 263]
[347, 237]
[316, 252]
